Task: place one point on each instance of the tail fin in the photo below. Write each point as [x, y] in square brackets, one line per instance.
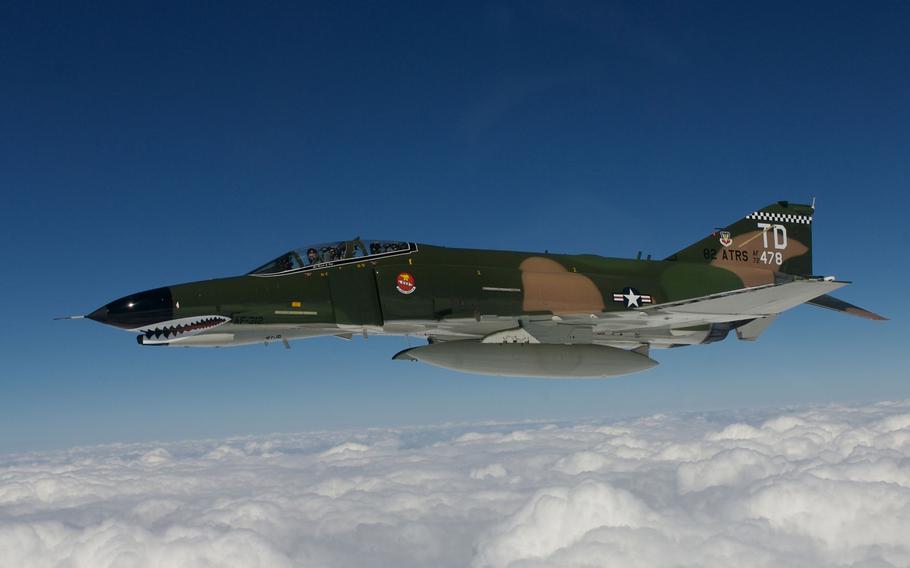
[777, 238]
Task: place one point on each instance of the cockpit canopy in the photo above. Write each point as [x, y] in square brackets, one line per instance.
[332, 253]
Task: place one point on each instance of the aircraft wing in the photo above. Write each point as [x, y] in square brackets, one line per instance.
[733, 305]
[757, 301]
[661, 322]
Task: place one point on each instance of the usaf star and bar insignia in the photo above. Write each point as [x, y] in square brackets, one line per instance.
[632, 298]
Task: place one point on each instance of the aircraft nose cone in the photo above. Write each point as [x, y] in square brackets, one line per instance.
[137, 310]
[99, 315]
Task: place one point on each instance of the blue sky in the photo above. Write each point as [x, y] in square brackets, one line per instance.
[151, 144]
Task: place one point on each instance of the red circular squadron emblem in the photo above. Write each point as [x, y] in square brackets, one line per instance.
[405, 283]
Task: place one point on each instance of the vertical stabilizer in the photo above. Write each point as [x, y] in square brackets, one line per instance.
[776, 238]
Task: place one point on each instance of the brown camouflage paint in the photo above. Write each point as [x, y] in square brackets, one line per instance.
[549, 286]
[747, 270]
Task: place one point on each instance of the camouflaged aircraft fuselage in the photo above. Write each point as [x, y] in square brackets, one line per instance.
[502, 312]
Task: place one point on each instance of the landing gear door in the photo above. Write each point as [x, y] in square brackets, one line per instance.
[354, 295]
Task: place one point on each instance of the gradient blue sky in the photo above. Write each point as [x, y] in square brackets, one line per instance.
[150, 144]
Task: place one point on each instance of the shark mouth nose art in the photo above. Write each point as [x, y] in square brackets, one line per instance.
[177, 329]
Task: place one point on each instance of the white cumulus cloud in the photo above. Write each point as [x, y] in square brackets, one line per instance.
[822, 486]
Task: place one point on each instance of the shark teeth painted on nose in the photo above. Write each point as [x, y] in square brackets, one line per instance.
[175, 330]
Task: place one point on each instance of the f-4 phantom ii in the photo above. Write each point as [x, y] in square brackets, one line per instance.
[501, 312]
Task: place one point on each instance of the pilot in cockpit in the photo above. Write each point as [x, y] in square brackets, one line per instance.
[312, 256]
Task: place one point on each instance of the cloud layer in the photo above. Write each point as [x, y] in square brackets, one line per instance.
[816, 487]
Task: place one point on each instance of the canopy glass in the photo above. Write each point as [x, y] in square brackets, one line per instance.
[333, 252]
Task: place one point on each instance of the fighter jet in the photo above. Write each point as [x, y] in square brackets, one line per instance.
[503, 312]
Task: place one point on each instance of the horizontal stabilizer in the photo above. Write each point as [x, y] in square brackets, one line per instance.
[832, 303]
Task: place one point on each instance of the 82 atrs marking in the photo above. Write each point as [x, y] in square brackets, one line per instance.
[725, 254]
[762, 257]
[778, 240]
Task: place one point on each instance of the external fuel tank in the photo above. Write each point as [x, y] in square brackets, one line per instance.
[529, 360]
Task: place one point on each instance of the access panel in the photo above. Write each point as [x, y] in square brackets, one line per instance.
[354, 296]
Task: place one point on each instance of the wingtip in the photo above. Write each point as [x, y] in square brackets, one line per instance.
[832, 303]
[868, 315]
